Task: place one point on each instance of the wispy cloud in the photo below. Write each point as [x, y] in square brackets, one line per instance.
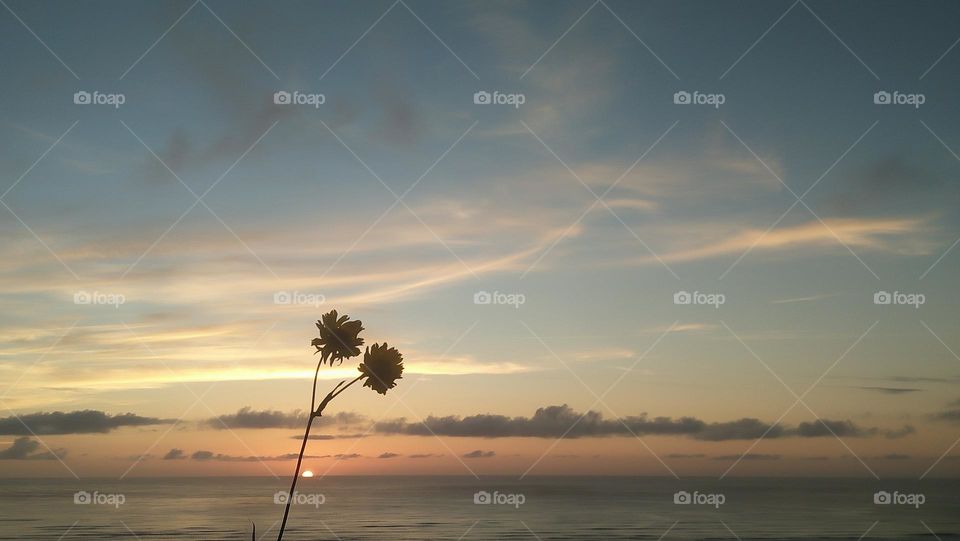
[809, 298]
[892, 235]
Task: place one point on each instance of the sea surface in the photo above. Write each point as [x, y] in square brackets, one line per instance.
[414, 507]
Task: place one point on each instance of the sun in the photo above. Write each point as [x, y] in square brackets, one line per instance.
[307, 473]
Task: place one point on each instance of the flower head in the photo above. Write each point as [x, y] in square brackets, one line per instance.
[383, 366]
[338, 337]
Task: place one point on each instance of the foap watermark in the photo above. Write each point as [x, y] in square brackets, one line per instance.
[699, 298]
[482, 97]
[883, 497]
[82, 97]
[99, 297]
[882, 97]
[696, 97]
[483, 497]
[282, 497]
[298, 298]
[98, 498]
[497, 297]
[699, 498]
[282, 97]
[899, 297]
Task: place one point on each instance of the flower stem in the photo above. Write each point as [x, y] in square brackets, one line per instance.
[306, 436]
[336, 393]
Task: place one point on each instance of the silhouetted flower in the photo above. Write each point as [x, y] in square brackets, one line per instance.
[338, 337]
[383, 366]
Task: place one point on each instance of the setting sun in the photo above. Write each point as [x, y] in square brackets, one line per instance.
[307, 473]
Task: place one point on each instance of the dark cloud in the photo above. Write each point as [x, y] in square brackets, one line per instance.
[547, 422]
[203, 455]
[74, 422]
[250, 418]
[175, 454]
[743, 429]
[848, 429]
[950, 414]
[894, 456]
[423, 455]
[748, 456]
[183, 152]
[563, 421]
[26, 448]
[826, 427]
[479, 454]
[327, 437]
[684, 456]
[891, 390]
[388, 455]
[210, 455]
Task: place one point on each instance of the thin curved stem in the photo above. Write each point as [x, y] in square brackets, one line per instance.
[313, 394]
[340, 387]
[296, 475]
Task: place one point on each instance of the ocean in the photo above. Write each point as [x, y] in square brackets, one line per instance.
[536, 508]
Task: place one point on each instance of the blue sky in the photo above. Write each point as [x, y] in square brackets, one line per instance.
[501, 198]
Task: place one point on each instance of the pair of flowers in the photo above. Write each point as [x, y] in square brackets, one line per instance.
[339, 339]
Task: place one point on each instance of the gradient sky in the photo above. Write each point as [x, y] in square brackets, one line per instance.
[494, 198]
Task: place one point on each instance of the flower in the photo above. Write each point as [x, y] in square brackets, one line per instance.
[338, 337]
[383, 366]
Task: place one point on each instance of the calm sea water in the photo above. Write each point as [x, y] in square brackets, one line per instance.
[388, 508]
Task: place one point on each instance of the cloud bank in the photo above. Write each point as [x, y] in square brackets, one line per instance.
[563, 422]
[74, 422]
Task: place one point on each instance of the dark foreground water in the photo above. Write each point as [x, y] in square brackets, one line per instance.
[388, 508]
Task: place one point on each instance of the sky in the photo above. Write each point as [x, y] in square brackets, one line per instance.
[521, 197]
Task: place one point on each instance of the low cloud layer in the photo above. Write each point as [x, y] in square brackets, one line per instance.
[29, 449]
[204, 455]
[890, 390]
[847, 429]
[251, 418]
[547, 422]
[950, 414]
[564, 422]
[748, 456]
[74, 422]
[175, 454]
[219, 457]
